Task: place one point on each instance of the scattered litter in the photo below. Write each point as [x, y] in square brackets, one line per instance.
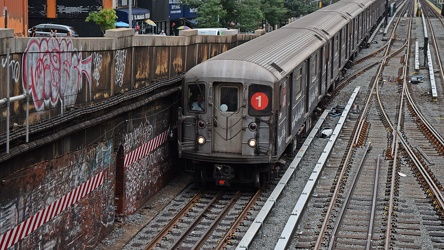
[337, 111]
[326, 133]
[416, 79]
[356, 109]
[401, 174]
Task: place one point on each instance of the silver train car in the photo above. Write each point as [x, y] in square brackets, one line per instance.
[243, 108]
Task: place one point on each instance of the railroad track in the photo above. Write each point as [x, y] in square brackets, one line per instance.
[380, 187]
[197, 219]
[350, 205]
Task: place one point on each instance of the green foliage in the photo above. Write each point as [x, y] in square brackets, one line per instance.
[105, 18]
[210, 13]
[248, 15]
[298, 8]
[274, 11]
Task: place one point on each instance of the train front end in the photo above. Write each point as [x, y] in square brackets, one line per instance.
[226, 123]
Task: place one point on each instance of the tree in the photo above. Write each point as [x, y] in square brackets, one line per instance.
[299, 8]
[105, 18]
[246, 15]
[249, 15]
[210, 13]
[274, 11]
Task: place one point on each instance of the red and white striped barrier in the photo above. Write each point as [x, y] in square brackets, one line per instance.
[144, 149]
[30, 225]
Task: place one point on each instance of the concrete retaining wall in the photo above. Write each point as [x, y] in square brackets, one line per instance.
[87, 136]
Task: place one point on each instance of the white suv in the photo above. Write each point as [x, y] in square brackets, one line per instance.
[60, 30]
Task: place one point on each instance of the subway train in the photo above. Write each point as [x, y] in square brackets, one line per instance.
[243, 108]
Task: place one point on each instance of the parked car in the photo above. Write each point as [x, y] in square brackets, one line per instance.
[58, 30]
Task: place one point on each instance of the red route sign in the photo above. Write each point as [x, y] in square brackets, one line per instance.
[259, 101]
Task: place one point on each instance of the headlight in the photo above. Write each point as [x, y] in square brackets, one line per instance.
[200, 140]
[252, 126]
[252, 143]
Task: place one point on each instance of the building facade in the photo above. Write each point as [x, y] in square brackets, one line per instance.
[14, 15]
[68, 12]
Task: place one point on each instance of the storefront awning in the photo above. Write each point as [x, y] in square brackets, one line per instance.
[138, 14]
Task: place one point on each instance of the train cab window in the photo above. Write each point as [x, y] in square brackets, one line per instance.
[229, 100]
[195, 94]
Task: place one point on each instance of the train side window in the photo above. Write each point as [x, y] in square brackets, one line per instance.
[336, 46]
[229, 99]
[314, 67]
[195, 96]
[297, 83]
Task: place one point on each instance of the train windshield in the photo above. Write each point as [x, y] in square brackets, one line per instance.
[229, 99]
[195, 95]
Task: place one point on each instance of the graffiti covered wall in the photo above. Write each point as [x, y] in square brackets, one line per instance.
[84, 99]
[148, 159]
[59, 203]
[52, 72]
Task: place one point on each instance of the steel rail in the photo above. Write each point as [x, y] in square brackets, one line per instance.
[201, 241]
[347, 198]
[155, 242]
[373, 209]
[231, 233]
[360, 126]
[187, 232]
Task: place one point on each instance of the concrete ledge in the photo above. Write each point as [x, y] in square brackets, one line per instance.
[187, 32]
[120, 32]
[231, 32]
[259, 32]
[6, 33]
[156, 40]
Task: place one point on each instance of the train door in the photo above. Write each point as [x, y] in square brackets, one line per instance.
[307, 81]
[327, 65]
[340, 43]
[288, 103]
[344, 43]
[227, 123]
[349, 41]
[322, 70]
[358, 30]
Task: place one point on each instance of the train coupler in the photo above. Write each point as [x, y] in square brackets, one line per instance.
[223, 174]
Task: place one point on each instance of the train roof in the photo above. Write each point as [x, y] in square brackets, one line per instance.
[327, 24]
[276, 54]
[272, 56]
[349, 8]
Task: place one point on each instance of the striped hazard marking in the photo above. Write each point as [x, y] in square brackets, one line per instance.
[30, 225]
[146, 148]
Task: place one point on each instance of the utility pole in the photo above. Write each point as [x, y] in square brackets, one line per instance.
[130, 13]
[5, 14]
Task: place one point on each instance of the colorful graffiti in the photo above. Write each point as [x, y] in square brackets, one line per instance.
[28, 226]
[97, 64]
[61, 206]
[138, 136]
[52, 72]
[144, 149]
[144, 166]
[120, 67]
[15, 68]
